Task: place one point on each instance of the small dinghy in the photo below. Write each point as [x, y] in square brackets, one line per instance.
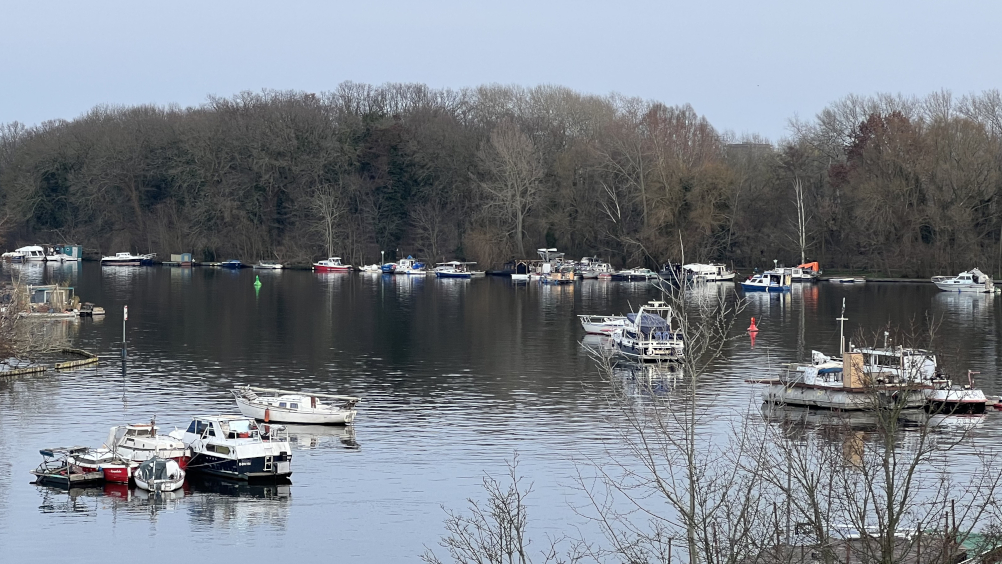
[281, 406]
[159, 475]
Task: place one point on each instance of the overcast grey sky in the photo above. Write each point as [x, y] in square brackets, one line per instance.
[747, 66]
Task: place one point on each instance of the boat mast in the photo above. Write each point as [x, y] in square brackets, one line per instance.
[841, 329]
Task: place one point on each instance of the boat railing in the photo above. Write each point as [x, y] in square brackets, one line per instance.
[274, 433]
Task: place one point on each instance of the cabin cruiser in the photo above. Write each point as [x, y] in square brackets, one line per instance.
[454, 269]
[968, 281]
[281, 406]
[768, 281]
[409, 265]
[635, 274]
[332, 264]
[128, 446]
[269, 265]
[592, 267]
[123, 259]
[708, 272]
[602, 324]
[31, 253]
[236, 447]
[648, 336]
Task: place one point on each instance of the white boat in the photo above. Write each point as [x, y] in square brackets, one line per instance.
[848, 280]
[410, 265]
[948, 398]
[281, 406]
[236, 447]
[648, 336]
[520, 277]
[268, 265]
[137, 443]
[602, 324]
[968, 281]
[591, 267]
[807, 272]
[635, 274]
[159, 475]
[332, 264]
[768, 281]
[371, 269]
[862, 379]
[31, 253]
[454, 269]
[713, 272]
[123, 259]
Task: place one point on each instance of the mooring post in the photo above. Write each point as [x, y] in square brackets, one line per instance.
[125, 317]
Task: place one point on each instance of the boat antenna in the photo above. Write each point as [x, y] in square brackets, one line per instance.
[841, 328]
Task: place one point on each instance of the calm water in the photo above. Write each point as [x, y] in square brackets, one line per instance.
[456, 376]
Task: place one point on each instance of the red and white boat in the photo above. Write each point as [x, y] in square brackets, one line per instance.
[103, 460]
[332, 264]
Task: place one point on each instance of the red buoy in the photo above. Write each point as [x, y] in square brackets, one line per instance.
[752, 328]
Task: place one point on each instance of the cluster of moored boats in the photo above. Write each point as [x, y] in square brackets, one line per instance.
[858, 378]
[251, 446]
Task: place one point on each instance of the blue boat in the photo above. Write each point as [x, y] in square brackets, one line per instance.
[231, 264]
[768, 281]
[388, 268]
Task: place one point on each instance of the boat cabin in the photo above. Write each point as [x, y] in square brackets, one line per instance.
[223, 427]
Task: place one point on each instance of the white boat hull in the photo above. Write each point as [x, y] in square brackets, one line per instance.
[822, 397]
[954, 287]
[301, 416]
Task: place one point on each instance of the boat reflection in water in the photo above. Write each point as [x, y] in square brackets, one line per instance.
[647, 380]
[108, 497]
[215, 502]
[310, 437]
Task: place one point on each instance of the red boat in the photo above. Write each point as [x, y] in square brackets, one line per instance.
[332, 264]
[103, 460]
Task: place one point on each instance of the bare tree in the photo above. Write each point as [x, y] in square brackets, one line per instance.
[802, 219]
[514, 177]
[329, 203]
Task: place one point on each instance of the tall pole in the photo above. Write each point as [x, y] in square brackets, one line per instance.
[125, 317]
[841, 328]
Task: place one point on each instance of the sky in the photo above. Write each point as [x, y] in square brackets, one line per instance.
[747, 66]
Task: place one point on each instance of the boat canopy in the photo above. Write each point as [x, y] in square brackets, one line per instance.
[813, 266]
[648, 321]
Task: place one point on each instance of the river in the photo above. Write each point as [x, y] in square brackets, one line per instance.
[456, 376]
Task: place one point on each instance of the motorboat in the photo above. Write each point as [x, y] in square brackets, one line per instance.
[807, 272]
[388, 268]
[31, 253]
[123, 259]
[516, 277]
[236, 447]
[590, 267]
[602, 324]
[138, 442]
[562, 274]
[635, 274]
[332, 264]
[947, 398]
[860, 379]
[102, 460]
[371, 269]
[159, 475]
[282, 406]
[768, 281]
[848, 280]
[648, 335]
[233, 264]
[968, 281]
[453, 269]
[410, 265]
[713, 272]
[268, 265]
[57, 470]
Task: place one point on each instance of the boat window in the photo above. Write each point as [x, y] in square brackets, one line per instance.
[281, 404]
[294, 405]
[240, 426]
[221, 449]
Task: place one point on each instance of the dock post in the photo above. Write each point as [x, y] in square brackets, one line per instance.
[125, 317]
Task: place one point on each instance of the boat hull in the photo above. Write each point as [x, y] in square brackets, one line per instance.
[840, 399]
[256, 468]
[281, 415]
[763, 288]
[136, 262]
[320, 268]
[453, 275]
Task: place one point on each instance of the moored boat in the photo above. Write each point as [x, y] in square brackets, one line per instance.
[233, 264]
[122, 259]
[947, 398]
[712, 272]
[648, 335]
[602, 324]
[283, 406]
[410, 265]
[454, 269]
[968, 281]
[371, 269]
[332, 264]
[634, 275]
[268, 265]
[31, 253]
[768, 281]
[159, 475]
[57, 470]
[138, 442]
[236, 447]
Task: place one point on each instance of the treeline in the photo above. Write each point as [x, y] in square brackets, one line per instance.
[898, 185]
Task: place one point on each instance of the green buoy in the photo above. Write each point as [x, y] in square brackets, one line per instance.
[257, 281]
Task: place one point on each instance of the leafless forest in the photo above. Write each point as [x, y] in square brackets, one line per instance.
[894, 185]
